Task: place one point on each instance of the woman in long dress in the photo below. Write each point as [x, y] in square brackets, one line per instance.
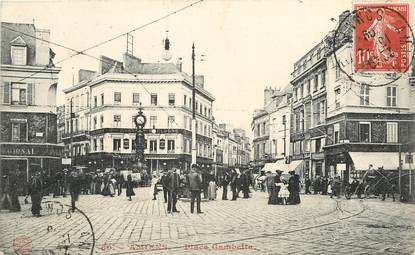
[129, 187]
[212, 188]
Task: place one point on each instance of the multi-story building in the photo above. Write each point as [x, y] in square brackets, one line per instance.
[61, 118]
[260, 127]
[308, 114]
[28, 101]
[366, 124]
[104, 105]
[232, 147]
[279, 135]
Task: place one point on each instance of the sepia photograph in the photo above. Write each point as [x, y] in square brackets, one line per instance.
[207, 127]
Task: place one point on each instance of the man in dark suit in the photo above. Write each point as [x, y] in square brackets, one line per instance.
[163, 182]
[172, 185]
[195, 187]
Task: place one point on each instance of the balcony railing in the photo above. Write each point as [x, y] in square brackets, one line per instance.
[76, 133]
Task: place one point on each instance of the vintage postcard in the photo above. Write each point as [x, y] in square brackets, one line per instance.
[207, 127]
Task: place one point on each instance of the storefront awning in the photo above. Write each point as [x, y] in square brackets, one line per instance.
[270, 167]
[280, 165]
[385, 160]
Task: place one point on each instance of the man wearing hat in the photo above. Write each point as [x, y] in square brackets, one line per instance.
[195, 187]
[172, 185]
[163, 181]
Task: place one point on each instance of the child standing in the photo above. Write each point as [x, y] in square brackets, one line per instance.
[284, 194]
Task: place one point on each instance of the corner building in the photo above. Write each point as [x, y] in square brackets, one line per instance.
[28, 119]
[105, 103]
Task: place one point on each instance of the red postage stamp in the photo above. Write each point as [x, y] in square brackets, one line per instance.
[381, 37]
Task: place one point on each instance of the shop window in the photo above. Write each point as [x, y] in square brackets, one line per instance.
[364, 132]
[116, 144]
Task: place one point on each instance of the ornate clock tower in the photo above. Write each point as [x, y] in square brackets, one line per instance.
[140, 121]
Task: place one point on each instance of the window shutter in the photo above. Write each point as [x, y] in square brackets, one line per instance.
[30, 94]
[6, 94]
[23, 132]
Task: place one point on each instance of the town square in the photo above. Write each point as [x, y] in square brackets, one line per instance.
[207, 127]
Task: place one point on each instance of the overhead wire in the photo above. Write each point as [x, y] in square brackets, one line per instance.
[82, 52]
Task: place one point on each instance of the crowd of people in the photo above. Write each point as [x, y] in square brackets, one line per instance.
[196, 183]
[173, 184]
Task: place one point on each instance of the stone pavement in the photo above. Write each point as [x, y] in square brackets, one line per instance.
[319, 225]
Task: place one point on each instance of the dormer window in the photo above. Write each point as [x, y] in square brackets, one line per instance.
[18, 51]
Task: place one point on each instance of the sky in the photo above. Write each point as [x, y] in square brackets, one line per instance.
[248, 45]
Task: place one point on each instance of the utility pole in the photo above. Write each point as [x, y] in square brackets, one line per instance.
[400, 168]
[193, 108]
[71, 126]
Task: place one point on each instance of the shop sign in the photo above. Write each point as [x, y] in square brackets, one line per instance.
[66, 161]
[30, 150]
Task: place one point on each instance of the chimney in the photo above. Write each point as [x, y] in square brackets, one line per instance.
[267, 95]
[131, 63]
[85, 75]
[179, 64]
[200, 80]
[42, 46]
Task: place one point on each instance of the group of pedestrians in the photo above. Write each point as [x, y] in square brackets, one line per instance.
[324, 185]
[282, 191]
[237, 181]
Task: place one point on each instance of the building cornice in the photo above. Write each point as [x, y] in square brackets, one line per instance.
[31, 69]
[140, 78]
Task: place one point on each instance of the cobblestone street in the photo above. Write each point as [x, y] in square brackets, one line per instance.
[319, 225]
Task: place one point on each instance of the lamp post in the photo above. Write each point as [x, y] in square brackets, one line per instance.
[140, 121]
[193, 108]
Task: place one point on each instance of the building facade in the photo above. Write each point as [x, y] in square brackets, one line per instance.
[28, 102]
[309, 109]
[104, 105]
[367, 124]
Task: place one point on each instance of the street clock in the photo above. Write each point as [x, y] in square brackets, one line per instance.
[140, 120]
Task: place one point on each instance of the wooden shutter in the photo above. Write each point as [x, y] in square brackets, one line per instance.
[6, 94]
[30, 94]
